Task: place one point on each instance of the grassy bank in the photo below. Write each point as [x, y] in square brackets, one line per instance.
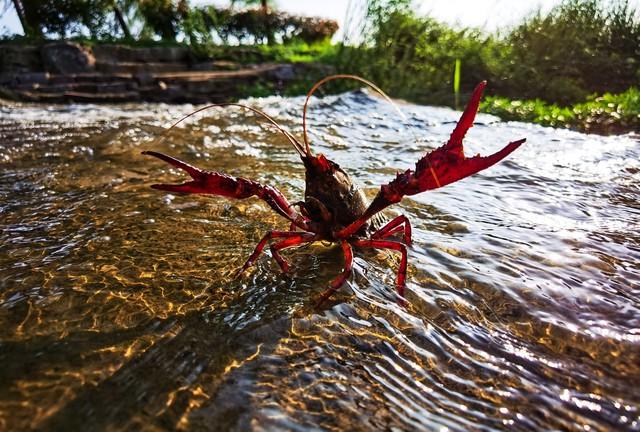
[607, 114]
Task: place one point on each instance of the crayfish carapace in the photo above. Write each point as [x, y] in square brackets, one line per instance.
[334, 209]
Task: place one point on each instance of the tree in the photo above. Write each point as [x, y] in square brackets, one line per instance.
[117, 11]
[62, 17]
[28, 28]
[163, 17]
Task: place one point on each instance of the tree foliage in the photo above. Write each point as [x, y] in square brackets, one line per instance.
[168, 20]
[580, 47]
[162, 18]
[64, 17]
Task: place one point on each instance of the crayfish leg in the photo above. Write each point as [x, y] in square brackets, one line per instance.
[342, 277]
[396, 225]
[393, 245]
[285, 244]
[294, 238]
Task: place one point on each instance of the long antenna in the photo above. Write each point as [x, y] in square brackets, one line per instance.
[331, 78]
[296, 144]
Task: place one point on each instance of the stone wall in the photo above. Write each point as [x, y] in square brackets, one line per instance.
[69, 72]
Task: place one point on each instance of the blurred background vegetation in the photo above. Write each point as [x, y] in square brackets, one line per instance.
[576, 66]
[167, 21]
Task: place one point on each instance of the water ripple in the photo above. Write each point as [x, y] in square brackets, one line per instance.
[119, 308]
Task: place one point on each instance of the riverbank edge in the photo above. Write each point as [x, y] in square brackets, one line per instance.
[72, 72]
[607, 114]
[69, 72]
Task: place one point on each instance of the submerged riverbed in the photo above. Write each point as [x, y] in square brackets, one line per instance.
[119, 310]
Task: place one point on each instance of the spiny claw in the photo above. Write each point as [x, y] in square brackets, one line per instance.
[207, 182]
[466, 119]
[448, 163]
[440, 167]
[215, 183]
[196, 186]
[193, 171]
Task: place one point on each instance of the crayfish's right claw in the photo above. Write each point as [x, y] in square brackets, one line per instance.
[215, 183]
[448, 164]
[198, 185]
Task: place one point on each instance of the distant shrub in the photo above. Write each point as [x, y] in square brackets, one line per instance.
[313, 30]
[580, 47]
[256, 26]
[413, 57]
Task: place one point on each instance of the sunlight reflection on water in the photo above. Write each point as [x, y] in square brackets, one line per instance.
[119, 309]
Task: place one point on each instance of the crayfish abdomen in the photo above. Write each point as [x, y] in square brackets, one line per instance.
[335, 209]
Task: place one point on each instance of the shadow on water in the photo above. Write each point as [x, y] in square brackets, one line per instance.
[119, 310]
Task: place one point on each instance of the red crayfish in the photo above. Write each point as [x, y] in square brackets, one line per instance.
[334, 209]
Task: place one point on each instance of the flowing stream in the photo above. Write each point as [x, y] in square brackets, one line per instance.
[119, 309]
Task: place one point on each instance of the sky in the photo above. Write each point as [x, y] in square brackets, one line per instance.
[486, 14]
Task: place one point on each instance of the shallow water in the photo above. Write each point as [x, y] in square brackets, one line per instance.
[119, 311]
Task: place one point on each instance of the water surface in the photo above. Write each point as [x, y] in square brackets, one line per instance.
[119, 310]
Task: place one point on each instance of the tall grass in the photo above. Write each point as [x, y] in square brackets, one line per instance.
[456, 82]
[412, 57]
[579, 48]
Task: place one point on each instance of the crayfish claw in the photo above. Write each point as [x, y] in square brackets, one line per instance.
[194, 172]
[467, 118]
[440, 167]
[197, 185]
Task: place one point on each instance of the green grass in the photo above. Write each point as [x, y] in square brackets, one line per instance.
[606, 114]
[293, 52]
[322, 52]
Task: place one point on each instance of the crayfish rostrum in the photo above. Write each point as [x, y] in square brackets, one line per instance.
[334, 209]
